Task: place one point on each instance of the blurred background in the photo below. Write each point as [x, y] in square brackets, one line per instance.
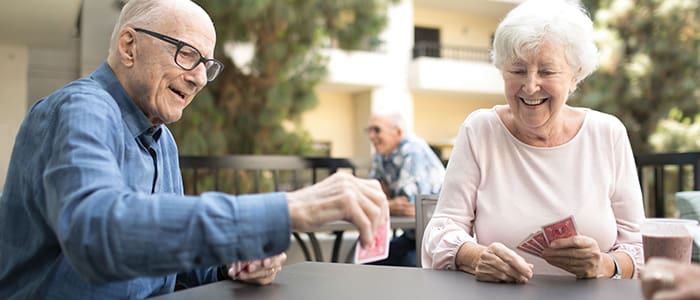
[302, 76]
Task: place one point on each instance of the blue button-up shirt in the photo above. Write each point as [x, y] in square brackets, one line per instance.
[93, 205]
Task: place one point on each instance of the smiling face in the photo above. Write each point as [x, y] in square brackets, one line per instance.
[160, 87]
[538, 86]
[384, 136]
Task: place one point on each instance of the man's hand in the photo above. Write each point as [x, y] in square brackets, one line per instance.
[400, 206]
[261, 272]
[341, 196]
[667, 279]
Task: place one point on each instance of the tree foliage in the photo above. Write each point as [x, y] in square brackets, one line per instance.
[255, 105]
[650, 63]
[676, 133]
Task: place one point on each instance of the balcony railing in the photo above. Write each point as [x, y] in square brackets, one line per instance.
[664, 174]
[430, 49]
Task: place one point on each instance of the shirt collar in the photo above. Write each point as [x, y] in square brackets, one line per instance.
[135, 119]
[396, 151]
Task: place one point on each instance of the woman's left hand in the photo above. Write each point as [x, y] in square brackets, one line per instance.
[578, 255]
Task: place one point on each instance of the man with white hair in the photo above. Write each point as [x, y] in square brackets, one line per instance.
[406, 167]
[93, 206]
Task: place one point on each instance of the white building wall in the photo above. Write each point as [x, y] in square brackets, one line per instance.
[398, 36]
[458, 28]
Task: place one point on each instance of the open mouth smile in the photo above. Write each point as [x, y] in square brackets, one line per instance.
[533, 102]
[178, 92]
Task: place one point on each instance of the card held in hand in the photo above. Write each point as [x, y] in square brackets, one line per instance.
[239, 267]
[525, 247]
[380, 246]
[558, 230]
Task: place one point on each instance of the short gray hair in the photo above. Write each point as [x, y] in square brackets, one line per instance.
[395, 119]
[534, 22]
[138, 13]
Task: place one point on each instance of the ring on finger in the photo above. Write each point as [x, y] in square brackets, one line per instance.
[665, 279]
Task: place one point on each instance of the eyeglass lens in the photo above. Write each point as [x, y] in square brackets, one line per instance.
[374, 129]
[188, 58]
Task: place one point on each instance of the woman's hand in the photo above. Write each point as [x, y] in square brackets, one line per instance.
[261, 272]
[578, 255]
[495, 263]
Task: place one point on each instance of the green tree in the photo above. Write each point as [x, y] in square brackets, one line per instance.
[676, 133]
[650, 63]
[255, 106]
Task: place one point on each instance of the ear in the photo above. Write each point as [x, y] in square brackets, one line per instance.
[126, 46]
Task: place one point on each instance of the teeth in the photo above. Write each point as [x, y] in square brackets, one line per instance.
[533, 101]
[181, 94]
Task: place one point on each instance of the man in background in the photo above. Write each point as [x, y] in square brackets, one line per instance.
[406, 167]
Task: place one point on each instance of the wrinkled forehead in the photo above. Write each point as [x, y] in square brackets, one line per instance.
[541, 52]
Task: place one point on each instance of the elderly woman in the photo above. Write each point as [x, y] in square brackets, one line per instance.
[536, 160]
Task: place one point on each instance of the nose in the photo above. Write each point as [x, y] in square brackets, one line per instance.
[198, 75]
[531, 83]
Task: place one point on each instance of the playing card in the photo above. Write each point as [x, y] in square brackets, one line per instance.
[531, 242]
[239, 267]
[379, 249]
[530, 246]
[538, 237]
[558, 230]
[529, 249]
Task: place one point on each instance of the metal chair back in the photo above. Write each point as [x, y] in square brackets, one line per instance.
[425, 205]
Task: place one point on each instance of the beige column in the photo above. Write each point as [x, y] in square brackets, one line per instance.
[13, 96]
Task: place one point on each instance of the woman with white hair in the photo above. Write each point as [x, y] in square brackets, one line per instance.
[517, 167]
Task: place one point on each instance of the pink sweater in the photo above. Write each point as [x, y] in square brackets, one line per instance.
[498, 189]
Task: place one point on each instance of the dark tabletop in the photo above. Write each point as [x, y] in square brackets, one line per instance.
[311, 280]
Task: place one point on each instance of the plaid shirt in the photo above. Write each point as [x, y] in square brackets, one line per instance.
[411, 169]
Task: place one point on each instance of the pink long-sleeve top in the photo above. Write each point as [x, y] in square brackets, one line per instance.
[499, 189]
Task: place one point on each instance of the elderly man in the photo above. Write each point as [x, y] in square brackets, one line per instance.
[93, 206]
[406, 167]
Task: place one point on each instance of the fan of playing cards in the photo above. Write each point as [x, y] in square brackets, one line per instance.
[537, 241]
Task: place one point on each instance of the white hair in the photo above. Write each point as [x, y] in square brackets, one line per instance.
[535, 22]
[139, 13]
[394, 119]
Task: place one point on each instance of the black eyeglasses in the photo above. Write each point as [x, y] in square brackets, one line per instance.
[187, 56]
[375, 129]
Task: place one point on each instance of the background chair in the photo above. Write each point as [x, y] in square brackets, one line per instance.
[425, 205]
[688, 204]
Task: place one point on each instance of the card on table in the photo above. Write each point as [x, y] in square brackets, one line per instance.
[560, 229]
[379, 249]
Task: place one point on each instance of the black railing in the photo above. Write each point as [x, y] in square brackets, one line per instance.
[430, 49]
[663, 174]
[241, 174]
[245, 174]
